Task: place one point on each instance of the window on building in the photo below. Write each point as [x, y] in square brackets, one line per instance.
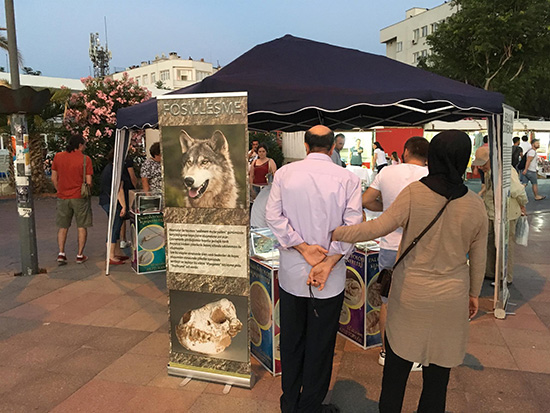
[201, 75]
[153, 78]
[424, 53]
[424, 31]
[164, 75]
[184, 74]
[138, 80]
[145, 79]
[399, 46]
[416, 34]
[416, 55]
[435, 26]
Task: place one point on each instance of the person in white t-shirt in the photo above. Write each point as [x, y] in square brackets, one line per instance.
[379, 156]
[381, 194]
[525, 145]
[529, 174]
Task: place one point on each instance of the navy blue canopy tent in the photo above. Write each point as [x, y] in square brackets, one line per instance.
[295, 83]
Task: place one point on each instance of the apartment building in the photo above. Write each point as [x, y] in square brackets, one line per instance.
[406, 40]
[173, 71]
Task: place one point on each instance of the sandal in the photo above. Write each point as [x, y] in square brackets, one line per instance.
[116, 262]
[122, 257]
[541, 198]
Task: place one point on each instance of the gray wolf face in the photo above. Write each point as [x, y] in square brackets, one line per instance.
[207, 171]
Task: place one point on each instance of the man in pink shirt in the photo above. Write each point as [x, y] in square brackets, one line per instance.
[308, 200]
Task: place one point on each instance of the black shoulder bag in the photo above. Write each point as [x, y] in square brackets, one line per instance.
[385, 276]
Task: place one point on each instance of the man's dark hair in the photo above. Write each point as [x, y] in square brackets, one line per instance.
[418, 147]
[154, 150]
[515, 139]
[74, 142]
[486, 139]
[516, 154]
[319, 143]
[525, 138]
[339, 135]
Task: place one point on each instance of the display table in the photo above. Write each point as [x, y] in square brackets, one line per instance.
[148, 242]
[358, 319]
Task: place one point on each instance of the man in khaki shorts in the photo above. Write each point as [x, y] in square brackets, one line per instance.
[67, 178]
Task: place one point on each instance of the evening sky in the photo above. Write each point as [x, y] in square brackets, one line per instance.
[53, 35]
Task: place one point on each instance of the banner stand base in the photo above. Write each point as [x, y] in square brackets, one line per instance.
[246, 382]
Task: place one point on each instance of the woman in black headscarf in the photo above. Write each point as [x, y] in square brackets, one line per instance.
[434, 291]
[448, 158]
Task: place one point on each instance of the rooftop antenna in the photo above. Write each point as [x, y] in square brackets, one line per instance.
[106, 40]
[99, 55]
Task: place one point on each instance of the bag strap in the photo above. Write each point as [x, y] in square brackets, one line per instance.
[415, 241]
[84, 171]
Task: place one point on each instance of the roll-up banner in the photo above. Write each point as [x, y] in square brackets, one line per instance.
[204, 147]
[501, 165]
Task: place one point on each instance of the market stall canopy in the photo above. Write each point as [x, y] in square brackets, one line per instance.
[295, 83]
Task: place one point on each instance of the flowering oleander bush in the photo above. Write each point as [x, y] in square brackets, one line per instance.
[92, 113]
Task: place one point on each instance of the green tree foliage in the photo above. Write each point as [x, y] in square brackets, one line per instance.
[499, 45]
[47, 122]
[160, 85]
[4, 46]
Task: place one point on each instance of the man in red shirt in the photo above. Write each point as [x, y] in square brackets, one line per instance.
[67, 178]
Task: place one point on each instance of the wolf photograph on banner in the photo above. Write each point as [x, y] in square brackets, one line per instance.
[204, 166]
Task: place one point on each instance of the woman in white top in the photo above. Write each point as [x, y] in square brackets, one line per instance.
[379, 156]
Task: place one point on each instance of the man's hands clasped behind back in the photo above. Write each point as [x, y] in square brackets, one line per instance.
[322, 265]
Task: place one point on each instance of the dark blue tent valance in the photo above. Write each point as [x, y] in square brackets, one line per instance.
[295, 83]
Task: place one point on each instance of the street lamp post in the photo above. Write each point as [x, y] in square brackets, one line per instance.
[23, 183]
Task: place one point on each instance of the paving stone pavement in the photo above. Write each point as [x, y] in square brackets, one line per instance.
[75, 340]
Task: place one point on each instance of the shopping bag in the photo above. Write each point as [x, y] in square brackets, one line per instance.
[522, 231]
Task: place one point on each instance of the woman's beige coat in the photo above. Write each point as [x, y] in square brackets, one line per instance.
[428, 302]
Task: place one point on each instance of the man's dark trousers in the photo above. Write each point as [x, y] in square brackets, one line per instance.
[307, 349]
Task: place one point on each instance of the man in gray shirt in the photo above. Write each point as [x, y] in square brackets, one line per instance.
[339, 141]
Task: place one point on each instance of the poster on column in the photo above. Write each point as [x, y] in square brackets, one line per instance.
[204, 146]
